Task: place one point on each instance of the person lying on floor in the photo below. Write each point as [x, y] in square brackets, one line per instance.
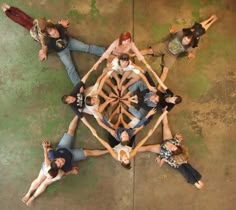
[171, 151]
[124, 153]
[58, 163]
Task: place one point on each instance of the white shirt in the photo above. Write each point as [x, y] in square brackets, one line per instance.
[119, 147]
[120, 70]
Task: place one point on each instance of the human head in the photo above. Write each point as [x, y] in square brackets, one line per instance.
[53, 171]
[57, 163]
[125, 162]
[154, 98]
[125, 36]
[91, 101]
[187, 40]
[176, 150]
[124, 138]
[182, 157]
[123, 135]
[123, 60]
[67, 99]
[51, 29]
[174, 99]
[42, 23]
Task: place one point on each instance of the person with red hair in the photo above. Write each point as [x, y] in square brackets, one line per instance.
[123, 44]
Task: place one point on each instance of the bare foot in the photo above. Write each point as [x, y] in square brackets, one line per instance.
[199, 184]
[30, 201]
[25, 198]
[5, 7]
[214, 17]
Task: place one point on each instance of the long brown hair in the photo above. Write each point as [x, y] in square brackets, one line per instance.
[181, 157]
[124, 36]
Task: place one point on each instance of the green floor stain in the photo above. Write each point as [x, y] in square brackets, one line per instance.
[94, 11]
[75, 16]
[195, 3]
[197, 84]
[159, 31]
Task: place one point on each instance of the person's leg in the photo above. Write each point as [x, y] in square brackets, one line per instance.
[147, 51]
[207, 23]
[168, 61]
[155, 148]
[76, 45]
[166, 129]
[81, 154]
[73, 125]
[191, 175]
[42, 187]
[150, 80]
[137, 113]
[18, 16]
[34, 185]
[137, 85]
[94, 152]
[5, 7]
[103, 95]
[68, 138]
[65, 57]
[199, 184]
[164, 73]
[112, 141]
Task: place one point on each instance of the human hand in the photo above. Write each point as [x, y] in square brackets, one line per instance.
[113, 133]
[158, 160]
[75, 170]
[191, 55]
[179, 137]
[46, 144]
[172, 29]
[42, 55]
[151, 112]
[153, 89]
[116, 90]
[65, 23]
[95, 66]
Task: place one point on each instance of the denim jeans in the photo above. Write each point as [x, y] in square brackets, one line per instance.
[137, 113]
[66, 142]
[137, 85]
[76, 45]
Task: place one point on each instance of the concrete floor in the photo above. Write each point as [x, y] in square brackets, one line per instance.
[31, 110]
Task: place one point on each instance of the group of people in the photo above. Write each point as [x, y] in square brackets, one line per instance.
[123, 100]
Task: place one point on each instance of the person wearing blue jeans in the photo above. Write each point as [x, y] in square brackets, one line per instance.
[58, 163]
[58, 40]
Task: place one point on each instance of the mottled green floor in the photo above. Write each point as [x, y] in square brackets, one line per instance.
[31, 110]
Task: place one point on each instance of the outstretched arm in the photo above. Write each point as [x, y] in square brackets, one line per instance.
[84, 79]
[161, 84]
[103, 125]
[135, 150]
[44, 49]
[140, 124]
[104, 143]
[106, 54]
[46, 147]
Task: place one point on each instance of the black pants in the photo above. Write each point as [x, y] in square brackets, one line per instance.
[189, 173]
